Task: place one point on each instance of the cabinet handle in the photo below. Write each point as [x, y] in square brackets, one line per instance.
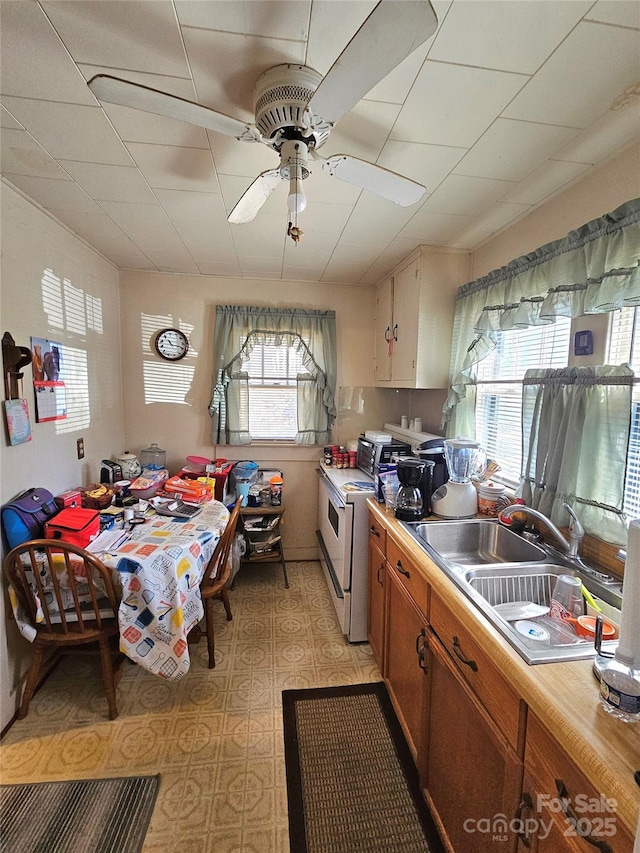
[374, 531]
[395, 332]
[525, 804]
[422, 649]
[581, 829]
[458, 653]
[401, 570]
[386, 334]
[380, 568]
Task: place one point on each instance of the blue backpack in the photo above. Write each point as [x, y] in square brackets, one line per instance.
[24, 517]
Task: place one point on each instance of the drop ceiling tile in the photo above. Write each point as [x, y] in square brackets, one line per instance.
[146, 224]
[375, 221]
[232, 157]
[515, 36]
[427, 164]
[624, 13]
[363, 131]
[8, 121]
[192, 206]
[467, 196]
[296, 256]
[318, 242]
[395, 252]
[225, 67]
[453, 105]
[211, 255]
[205, 237]
[102, 233]
[394, 88]
[492, 221]
[547, 179]
[134, 35]
[176, 262]
[330, 218]
[283, 19]
[434, 228]
[573, 92]
[612, 131]
[511, 150]
[70, 131]
[347, 254]
[55, 194]
[230, 270]
[255, 266]
[344, 273]
[21, 155]
[45, 71]
[174, 168]
[110, 183]
[300, 274]
[263, 237]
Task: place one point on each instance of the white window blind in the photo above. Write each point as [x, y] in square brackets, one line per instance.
[624, 346]
[273, 410]
[499, 388]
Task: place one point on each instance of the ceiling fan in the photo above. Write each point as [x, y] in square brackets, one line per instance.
[296, 109]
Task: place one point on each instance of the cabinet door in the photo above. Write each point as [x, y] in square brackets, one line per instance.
[406, 301]
[406, 665]
[473, 777]
[375, 602]
[384, 314]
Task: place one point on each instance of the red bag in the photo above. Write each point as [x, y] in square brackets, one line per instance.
[77, 525]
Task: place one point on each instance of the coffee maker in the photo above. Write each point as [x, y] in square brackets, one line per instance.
[410, 500]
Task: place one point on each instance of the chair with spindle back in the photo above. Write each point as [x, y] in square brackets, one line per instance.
[215, 580]
[67, 598]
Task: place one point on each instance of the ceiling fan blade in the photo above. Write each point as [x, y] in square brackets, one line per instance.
[113, 90]
[390, 185]
[392, 31]
[246, 209]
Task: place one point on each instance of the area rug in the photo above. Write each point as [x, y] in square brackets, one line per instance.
[352, 786]
[85, 816]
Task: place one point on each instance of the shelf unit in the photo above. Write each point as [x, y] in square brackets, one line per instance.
[276, 554]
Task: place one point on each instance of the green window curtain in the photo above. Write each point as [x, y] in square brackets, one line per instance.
[576, 424]
[237, 329]
[593, 270]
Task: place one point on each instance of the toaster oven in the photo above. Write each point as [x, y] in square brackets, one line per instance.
[372, 453]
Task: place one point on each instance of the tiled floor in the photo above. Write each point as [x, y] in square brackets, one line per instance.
[215, 736]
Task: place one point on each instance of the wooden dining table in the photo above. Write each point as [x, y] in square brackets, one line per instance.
[159, 567]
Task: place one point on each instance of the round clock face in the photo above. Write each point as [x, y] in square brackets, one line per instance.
[171, 344]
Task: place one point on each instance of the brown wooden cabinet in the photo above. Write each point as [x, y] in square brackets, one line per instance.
[474, 777]
[376, 587]
[562, 812]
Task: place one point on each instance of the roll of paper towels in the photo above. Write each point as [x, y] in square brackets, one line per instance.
[629, 643]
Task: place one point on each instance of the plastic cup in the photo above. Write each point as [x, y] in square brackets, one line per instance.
[566, 598]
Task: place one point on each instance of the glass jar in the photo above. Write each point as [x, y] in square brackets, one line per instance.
[153, 458]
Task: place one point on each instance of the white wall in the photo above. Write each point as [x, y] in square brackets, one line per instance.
[55, 287]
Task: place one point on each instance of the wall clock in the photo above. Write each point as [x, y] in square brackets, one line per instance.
[171, 344]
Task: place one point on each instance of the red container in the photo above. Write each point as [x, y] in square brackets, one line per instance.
[72, 498]
[76, 525]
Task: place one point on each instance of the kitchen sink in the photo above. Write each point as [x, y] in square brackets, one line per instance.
[476, 541]
[494, 566]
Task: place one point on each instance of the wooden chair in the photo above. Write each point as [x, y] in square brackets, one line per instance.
[68, 600]
[216, 579]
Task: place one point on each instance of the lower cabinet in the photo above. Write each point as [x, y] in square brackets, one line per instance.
[376, 597]
[474, 777]
[561, 811]
[406, 665]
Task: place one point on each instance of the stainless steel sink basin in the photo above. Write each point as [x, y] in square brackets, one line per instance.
[475, 542]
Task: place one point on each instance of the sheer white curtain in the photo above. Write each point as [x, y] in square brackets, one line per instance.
[238, 329]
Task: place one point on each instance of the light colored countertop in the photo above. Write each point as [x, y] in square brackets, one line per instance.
[563, 695]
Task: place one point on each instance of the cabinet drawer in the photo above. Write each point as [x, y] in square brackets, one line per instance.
[406, 572]
[478, 671]
[556, 778]
[377, 533]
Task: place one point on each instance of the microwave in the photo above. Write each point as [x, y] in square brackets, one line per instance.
[372, 453]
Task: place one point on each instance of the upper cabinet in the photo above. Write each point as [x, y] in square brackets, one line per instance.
[414, 319]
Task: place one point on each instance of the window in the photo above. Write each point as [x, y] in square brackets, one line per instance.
[499, 389]
[624, 346]
[273, 405]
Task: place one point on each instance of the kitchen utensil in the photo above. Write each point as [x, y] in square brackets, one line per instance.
[512, 611]
[566, 598]
[585, 626]
[532, 631]
[458, 497]
[590, 599]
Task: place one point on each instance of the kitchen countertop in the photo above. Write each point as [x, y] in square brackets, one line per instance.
[563, 695]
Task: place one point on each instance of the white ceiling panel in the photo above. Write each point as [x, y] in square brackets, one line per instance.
[134, 35]
[21, 155]
[556, 94]
[506, 36]
[453, 105]
[504, 106]
[526, 146]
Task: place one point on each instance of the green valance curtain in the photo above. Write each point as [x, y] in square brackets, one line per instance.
[593, 270]
[238, 329]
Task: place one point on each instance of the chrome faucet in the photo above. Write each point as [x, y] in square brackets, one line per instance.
[575, 531]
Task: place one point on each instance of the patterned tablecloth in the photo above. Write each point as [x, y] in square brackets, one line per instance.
[160, 568]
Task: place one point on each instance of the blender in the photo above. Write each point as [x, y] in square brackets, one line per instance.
[409, 502]
[458, 497]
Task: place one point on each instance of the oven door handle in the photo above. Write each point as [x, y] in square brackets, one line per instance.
[334, 495]
[332, 572]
